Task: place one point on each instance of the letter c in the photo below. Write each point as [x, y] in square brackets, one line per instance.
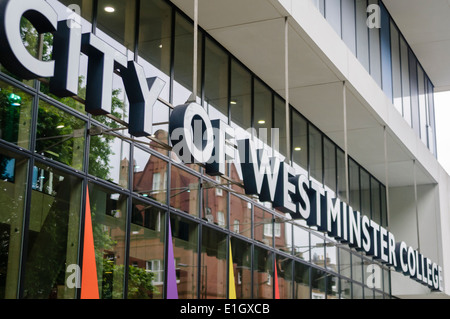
[15, 56]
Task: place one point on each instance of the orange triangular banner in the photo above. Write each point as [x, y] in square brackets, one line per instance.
[277, 289]
[89, 284]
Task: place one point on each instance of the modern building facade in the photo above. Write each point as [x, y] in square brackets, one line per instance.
[332, 88]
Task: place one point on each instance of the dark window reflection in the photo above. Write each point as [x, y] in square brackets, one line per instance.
[241, 253]
[13, 181]
[150, 174]
[301, 281]
[315, 153]
[116, 20]
[52, 243]
[263, 282]
[146, 263]
[240, 216]
[15, 115]
[184, 191]
[299, 141]
[185, 249]
[216, 81]
[109, 210]
[183, 60]
[213, 280]
[109, 158]
[60, 136]
[284, 272]
[262, 118]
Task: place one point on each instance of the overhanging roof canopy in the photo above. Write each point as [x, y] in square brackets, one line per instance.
[426, 27]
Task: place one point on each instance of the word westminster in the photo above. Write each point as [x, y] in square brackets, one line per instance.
[195, 138]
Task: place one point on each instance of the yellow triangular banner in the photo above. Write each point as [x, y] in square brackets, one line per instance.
[231, 285]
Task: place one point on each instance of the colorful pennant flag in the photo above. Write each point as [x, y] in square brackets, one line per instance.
[172, 289]
[89, 283]
[231, 285]
[277, 289]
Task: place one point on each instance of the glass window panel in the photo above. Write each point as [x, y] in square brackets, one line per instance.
[422, 104]
[154, 47]
[318, 284]
[283, 235]
[184, 191]
[241, 253]
[109, 158]
[315, 153]
[348, 24]
[341, 175]
[109, 211]
[345, 263]
[357, 291]
[146, 261]
[279, 140]
[362, 34]
[333, 14]
[332, 286]
[216, 81]
[31, 41]
[373, 275]
[241, 96]
[405, 81]
[385, 48]
[301, 243]
[365, 193]
[375, 200]
[185, 242]
[431, 118]
[318, 250]
[262, 273]
[386, 281]
[375, 51]
[396, 69]
[301, 281]
[116, 21]
[263, 226]
[85, 7]
[214, 264]
[52, 234]
[368, 293]
[15, 115]
[414, 92]
[384, 220]
[215, 204]
[262, 120]
[329, 158]
[120, 107]
[73, 11]
[284, 273]
[345, 289]
[13, 181]
[60, 136]
[240, 216]
[357, 268]
[299, 141]
[150, 175]
[354, 185]
[183, 61]
[332, 261]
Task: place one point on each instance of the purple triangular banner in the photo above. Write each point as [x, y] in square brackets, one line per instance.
[172, 290]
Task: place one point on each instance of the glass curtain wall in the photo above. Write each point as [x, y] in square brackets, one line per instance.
[369, 31]
[52, 153]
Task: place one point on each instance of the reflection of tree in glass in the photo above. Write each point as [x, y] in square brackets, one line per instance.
[45, 271]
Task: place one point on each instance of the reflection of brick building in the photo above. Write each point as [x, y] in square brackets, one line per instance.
[184, 196]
